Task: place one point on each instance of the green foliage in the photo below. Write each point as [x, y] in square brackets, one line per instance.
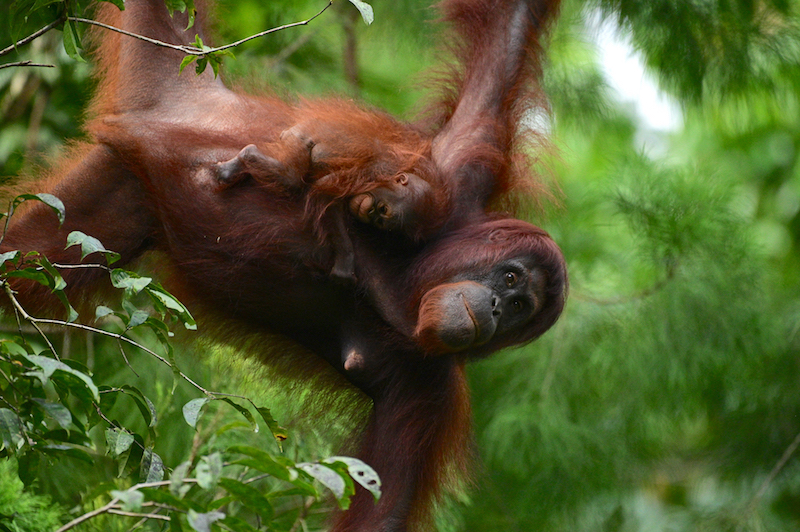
[716, 47]
[55, 410]
[22, 511]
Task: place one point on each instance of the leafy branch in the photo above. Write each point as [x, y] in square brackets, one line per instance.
[199, 51]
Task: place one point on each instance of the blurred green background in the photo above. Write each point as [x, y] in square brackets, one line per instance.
[667, 398]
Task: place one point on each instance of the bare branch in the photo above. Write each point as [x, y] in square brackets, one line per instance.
[190, 50]
[787, 454]
[5, 51]
[193, 50]
[88, 515]
[27, 63]
[143, 516]
[273, 30]
[27, 317]
[112, 506]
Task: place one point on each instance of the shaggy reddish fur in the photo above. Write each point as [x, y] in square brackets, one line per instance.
[143, 185]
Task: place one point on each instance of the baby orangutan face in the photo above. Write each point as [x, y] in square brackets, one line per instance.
[392, 206]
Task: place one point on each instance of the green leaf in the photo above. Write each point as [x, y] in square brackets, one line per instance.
[208, 471]
[188, 60]
[118, 441]
[33, 274]
[146, 406]
[261, 461]
[72, 43]
[361, 473]
[72, 314]
[238, 525]
[12, 347]
[157, 292]
[192, 12]
[58, 412]
[243, 411]
[73, 451]
[89, 245]
[131, 499]
[58, 282]
[193, 409]
[329, 478]
[137, 318]
[175, 5]
[249, 496]
[43, 3]
[51, 365]
[200, 67]
[279, 433]
[102, 312]
[203, 522]
[176, 481]
[11, 436]
[365, 9]
[48, 199]
[10, 256]
[129, 281]
[152, 469]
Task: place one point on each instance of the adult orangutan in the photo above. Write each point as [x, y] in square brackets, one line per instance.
[468, 283]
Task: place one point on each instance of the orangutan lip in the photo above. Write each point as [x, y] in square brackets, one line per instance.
[475, 326]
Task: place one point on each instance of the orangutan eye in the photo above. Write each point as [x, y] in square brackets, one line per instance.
[517, 306]
[510, 278]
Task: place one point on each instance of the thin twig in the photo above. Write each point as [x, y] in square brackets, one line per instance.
[120, 337]
[125, 357]
[787, 454]
[78, 266]
[193, 50]
[29, 318]
[36, 321]
[88, 515]
[32, 36]
[27, 63]
[9, 213]
[143, 516]
[273, 30]
[114, 503]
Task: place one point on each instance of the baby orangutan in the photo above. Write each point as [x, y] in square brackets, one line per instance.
[397, 203]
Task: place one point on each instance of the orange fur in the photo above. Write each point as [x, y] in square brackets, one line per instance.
[143, 184]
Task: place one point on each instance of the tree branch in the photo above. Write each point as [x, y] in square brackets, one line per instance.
[27, 63]
[186, 49]
[143, 516]
[112, 506]
[193, 50]
[36, 322]
[5, 51]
